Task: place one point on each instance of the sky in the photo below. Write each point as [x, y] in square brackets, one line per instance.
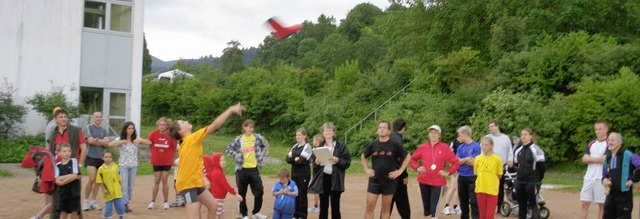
[188, 29]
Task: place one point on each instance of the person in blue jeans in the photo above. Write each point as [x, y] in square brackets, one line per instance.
[467, 151]
[109, 179]
[285, 192]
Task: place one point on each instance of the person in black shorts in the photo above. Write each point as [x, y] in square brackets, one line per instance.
[384, 153]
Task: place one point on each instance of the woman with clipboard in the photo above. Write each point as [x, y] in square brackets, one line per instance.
[330, 181]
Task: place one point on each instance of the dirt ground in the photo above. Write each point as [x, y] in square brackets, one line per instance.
[20, 202]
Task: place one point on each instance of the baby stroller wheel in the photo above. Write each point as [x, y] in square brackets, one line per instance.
[544, 212]
[505, 209]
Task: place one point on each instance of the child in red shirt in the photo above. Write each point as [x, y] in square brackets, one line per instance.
[219, 185]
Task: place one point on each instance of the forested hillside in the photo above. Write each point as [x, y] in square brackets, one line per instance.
[553, 66]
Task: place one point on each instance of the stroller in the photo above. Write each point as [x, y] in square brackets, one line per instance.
[507, 208]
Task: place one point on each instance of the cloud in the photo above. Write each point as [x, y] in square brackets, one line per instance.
[193, 28]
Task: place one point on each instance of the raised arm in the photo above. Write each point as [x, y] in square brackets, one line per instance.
[217, 123]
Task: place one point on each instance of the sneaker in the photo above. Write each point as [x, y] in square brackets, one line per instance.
[151, 205]
[313, 209]
[165, 205]
[85, 205]
[95, 206]
[174, 204]
[457, 210]
[245, 217]
[36, 217]
[259, 215]
[446, 210]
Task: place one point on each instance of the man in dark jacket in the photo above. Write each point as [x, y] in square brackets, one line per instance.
[401, 197]
[620, 171]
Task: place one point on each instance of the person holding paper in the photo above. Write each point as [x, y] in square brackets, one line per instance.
[331, 181]
[384, 154]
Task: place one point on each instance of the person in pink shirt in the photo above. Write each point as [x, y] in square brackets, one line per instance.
[432, 175]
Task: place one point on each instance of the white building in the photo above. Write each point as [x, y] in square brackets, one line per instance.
[91, 49]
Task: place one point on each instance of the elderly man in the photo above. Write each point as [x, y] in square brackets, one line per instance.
[96, 139]
[621, 170]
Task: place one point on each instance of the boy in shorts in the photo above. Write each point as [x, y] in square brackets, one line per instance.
[68, 180]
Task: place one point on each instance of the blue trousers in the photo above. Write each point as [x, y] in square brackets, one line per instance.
[108, 208]
[277, 214]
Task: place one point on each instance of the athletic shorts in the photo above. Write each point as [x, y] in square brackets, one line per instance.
[161, 168]
[94, 162]
[382, 187]
[69, 205]
[191, 195]
[592, 191]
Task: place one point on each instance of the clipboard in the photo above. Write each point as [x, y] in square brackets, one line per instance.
[323, 154]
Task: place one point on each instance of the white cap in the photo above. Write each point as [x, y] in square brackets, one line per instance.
[437, 128]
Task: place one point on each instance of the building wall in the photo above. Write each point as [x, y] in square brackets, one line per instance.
[40, 43]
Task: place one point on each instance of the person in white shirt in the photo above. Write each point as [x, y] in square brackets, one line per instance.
[592, 189]
[502, 148]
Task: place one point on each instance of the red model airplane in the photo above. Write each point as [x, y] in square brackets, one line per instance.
[282, 32]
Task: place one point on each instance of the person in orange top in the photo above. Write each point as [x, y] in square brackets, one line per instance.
[190, 182]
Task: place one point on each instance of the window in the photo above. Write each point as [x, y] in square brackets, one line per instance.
[121, 18]
[90, 99]
[109, 15]
[94, 14]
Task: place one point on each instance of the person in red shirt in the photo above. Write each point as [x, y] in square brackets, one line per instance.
[432, 175]
[219, 185]
[163, 149]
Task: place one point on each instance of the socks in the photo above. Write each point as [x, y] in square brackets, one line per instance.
[446, 205]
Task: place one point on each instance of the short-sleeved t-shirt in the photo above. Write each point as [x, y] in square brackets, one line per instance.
[595, 149]
[249, 151]
[487, 168]
[109, 176]
[163, 148]
[190, 167]
[94, 151]
[72, 189]
[128, 154]
[467, 150]
[384, 157]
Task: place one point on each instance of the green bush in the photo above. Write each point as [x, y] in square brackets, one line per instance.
[13, 150]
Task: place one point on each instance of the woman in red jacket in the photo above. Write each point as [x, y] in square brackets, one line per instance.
[432, 175]
[219, 185]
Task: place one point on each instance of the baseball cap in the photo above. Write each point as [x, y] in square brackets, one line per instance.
[436, 127]
[515, 136]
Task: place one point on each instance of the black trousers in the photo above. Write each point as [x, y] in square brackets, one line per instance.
[430, 197]
[467, 195]
[526, 192]
[618, 205]
[501, 190]
[324, 199]
[301, 200]
[249, 177]
[402, 198]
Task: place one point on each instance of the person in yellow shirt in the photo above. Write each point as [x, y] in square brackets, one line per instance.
[248, 150]
[109, 179]
[189, 182]
[488, 168]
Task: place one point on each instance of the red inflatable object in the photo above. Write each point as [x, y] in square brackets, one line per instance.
[282, 32]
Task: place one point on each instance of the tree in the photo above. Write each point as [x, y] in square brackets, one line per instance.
[146, 57]
[361, 16]
[231, 58]
[11, 115]
[43, 103]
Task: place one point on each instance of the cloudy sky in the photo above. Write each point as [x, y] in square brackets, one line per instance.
[193, 28]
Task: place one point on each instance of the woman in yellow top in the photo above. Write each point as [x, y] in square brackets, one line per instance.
[189, 182]
[488, 168]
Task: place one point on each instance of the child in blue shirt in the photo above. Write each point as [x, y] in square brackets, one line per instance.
[285, 192]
